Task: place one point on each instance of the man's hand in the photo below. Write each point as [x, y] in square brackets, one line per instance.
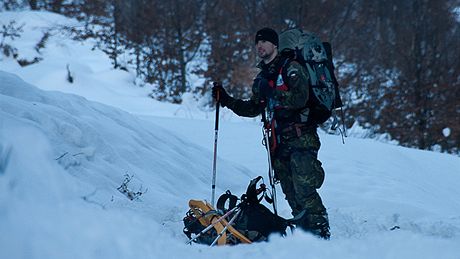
[219, 93]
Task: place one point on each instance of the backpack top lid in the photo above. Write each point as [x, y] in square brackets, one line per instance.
[310, 46]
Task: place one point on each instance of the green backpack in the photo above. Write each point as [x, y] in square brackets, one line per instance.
[316, 56]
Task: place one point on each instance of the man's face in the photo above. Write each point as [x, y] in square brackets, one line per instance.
[265, 49]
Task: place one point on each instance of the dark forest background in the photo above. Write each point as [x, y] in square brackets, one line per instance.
[398, 61]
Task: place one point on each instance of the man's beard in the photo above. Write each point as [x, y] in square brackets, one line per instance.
[264, 54]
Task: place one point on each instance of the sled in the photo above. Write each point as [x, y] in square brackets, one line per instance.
[204, 212]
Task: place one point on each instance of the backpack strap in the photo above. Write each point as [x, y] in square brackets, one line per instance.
[252, 192]
[330, 64]
[223, 199]
[312, 74]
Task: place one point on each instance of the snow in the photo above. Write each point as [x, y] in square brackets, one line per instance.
[456, 12]
[446, 132]
[66, 148]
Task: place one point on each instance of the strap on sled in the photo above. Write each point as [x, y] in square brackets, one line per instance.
[227, 196]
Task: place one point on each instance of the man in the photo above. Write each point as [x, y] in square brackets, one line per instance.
[283, 87]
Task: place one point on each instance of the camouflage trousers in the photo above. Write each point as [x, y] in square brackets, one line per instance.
[301, 174]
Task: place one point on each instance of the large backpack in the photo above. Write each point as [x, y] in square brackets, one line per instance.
[316, 56]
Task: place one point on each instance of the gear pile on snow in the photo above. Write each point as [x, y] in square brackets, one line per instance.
[244, 222]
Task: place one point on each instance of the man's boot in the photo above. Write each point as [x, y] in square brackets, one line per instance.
[317, 224]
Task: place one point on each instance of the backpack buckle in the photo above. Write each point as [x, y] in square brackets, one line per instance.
[298, 130]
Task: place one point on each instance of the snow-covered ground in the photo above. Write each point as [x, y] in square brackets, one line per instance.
[66, 148]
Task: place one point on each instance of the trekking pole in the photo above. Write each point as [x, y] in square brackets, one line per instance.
[216, 134]
[271, 174]
[225, 228]
[212, 225]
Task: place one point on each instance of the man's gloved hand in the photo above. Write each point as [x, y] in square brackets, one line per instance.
[265, 91]
[218, 91]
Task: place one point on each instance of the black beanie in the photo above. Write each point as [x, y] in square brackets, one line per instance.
[267, 34]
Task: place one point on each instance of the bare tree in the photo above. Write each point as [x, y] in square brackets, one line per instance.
[411, 76]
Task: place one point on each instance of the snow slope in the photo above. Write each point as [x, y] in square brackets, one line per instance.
[63, 156]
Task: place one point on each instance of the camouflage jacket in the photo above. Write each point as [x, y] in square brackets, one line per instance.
[288, 103]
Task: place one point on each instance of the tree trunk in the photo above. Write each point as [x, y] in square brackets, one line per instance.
[33, 4]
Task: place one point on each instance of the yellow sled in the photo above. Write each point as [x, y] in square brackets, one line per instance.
[201, 208]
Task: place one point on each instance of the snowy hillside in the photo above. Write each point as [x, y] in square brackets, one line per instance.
[64, 153]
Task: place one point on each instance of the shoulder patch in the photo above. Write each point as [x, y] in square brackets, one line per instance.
[292, 72]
